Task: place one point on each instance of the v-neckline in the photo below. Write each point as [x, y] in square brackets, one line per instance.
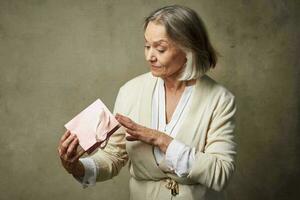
[184, 98]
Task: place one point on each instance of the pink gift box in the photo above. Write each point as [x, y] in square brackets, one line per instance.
[93, 126]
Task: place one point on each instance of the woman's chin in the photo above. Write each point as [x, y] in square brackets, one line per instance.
[156, 73]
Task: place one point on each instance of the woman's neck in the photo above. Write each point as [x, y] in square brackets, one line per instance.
[174, 85]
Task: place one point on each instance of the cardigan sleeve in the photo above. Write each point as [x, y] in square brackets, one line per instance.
[214, 166]
[110, 160]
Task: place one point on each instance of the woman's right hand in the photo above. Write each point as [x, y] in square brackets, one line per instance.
[69, 155]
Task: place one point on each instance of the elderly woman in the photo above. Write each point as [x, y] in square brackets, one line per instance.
[177, 122]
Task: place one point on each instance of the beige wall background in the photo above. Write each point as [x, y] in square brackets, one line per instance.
[57, 57]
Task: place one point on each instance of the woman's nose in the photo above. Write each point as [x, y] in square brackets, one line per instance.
[150, 56]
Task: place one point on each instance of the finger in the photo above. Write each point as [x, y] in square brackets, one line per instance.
[144, 136]
[128, 123]
[118, 115]
[64, 146]
[130, 132]
[126, 119]
[80, 149]
[64, 158]
[123, 123]
[133, 133]
[64, 136]
[79, 154]
[131, 138]
[59, 151]
[72, 148]
[123, 118]
[62, 139]
[76, 157]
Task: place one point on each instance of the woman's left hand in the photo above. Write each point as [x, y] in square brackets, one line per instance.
[144, 134]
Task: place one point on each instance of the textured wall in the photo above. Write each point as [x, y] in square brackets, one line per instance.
[56, 57]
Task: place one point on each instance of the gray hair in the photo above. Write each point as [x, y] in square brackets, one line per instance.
[185, 28]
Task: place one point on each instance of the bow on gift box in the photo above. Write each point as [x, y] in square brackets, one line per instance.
[93, 126]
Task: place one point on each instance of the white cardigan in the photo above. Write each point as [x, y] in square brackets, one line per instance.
[178, 157]
[208, 127]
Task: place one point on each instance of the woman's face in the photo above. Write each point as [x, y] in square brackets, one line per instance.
[165, 57]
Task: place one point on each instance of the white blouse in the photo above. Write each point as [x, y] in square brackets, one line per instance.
[178, 157]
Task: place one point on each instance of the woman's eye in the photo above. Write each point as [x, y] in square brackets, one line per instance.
[147, 47]
[160, 50]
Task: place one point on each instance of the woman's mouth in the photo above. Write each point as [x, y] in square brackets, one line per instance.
[155, 66]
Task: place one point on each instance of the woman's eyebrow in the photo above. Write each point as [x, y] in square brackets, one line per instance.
[158, 42]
